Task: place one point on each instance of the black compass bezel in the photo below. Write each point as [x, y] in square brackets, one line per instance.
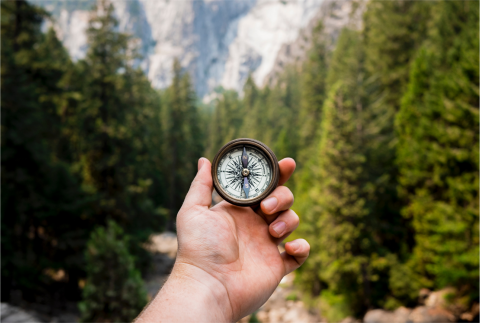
[266, 151]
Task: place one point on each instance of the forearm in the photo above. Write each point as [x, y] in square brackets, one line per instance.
[189, 295]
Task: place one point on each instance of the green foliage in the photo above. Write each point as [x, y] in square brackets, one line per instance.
[336, 215]
[384, 130]
[350, 209]
[393, 31]
[254, 318]
[225, 121]
[313, 93]
[348, 257]
[334, 307]
[183, 143]
[438, 149]
[292, 297]
[114, 290]
[44, 210]
[80, 144]
[109, 123]
[269, 115]
[115, 132]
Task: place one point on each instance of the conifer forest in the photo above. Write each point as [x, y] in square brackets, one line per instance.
[383, 126]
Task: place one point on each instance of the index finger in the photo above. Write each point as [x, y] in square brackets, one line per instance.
[287, 167]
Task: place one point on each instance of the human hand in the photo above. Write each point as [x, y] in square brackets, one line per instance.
[228, 263]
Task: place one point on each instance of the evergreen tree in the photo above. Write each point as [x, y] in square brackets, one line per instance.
[351, 255]
[336, 220]
[114, 290]
[313, 84]
[393, 32]
[282, 113]
[253, 111]
[111, 126]
[335, 216]
[225, 122]
[183, 139]
[438, 152]
[44, 220]
[312, 96]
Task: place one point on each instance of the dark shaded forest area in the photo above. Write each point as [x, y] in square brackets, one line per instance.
[384, 129]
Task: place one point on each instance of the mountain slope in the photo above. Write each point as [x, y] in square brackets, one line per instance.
[218, 42]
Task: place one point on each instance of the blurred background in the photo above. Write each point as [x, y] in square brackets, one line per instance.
[107, 106]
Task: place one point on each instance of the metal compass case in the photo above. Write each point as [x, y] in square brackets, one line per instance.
[245, 171]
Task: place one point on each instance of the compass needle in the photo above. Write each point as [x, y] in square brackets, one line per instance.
[244, 158]
[246, 186]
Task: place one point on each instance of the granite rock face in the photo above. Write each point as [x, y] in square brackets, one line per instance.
[334, 15]
[218, 42]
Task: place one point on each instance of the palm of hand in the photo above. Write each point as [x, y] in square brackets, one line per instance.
[233, 245]
[237, 246]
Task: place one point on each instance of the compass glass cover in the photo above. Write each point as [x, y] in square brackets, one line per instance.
[230, 172]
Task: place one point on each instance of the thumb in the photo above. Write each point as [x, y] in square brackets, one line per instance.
[200, 192]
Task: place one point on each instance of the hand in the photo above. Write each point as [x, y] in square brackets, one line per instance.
[228, 263]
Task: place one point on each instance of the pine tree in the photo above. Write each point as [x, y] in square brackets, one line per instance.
[312, 96]
[253, 110]
[438, 150]
[313, 84]
[379, 237]
[44, 215]
[393, 32]
[114, 290]
[282, 113]
[225, 122]
[183, 139]
[334, 211]
[112, 119]
[59, 91]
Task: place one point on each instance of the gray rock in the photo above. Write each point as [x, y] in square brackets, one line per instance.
[400, 315]
[218, 42]
[438, 298]
[350, 319]
[12, 314]
[424, 314]
[334, 15]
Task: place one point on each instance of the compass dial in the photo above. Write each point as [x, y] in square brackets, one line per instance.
[245, 171]
[230, 173]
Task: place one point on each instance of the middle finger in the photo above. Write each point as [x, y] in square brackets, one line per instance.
[281, 199]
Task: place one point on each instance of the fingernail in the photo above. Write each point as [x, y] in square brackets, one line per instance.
[279, 227]
[200, 163]
[294, 245]
[270, 204]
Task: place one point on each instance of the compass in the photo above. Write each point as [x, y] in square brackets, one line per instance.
[245, 171]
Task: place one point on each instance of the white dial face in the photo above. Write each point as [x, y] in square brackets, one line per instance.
[230, 173]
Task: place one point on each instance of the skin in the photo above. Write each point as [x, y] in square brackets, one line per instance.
[228, 263]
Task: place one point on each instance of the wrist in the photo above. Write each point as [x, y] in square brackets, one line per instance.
[189, 295]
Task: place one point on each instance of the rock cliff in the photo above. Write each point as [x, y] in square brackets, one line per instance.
[218, 42]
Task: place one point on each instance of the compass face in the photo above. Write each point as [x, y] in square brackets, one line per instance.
[231, 172]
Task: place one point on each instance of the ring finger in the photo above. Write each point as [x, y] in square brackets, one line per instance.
[283, 225]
